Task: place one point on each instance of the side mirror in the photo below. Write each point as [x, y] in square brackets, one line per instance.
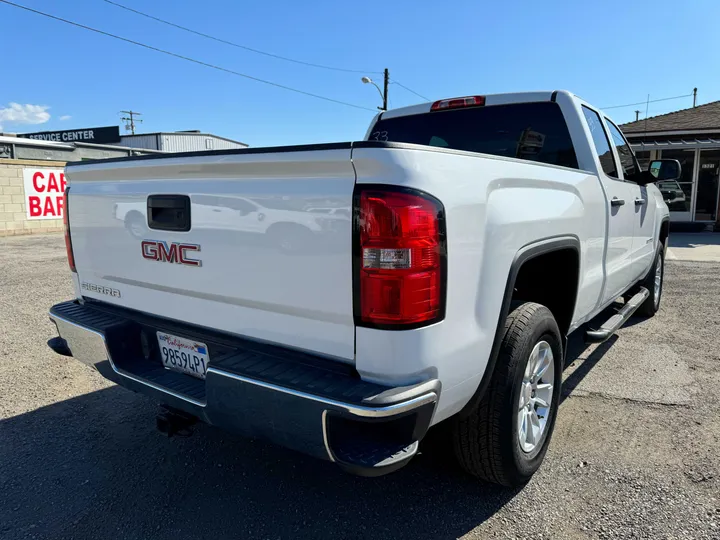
[664, 170]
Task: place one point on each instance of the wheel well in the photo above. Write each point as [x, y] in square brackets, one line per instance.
[551, 279]
[664, 232]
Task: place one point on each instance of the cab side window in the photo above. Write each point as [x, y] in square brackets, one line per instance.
[627, 158]
[241, 205]
[601, 142]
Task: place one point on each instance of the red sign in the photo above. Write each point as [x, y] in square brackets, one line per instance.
[44, 193]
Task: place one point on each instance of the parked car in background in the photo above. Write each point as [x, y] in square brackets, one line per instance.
[673, 195]
[286, 227]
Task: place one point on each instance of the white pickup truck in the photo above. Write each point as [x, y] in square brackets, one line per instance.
[464, 241]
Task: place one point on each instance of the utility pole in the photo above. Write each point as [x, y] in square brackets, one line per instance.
[694, 96]
[385, 93]
[637, 115]
[130, 126]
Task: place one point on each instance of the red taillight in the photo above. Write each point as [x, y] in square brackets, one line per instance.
[400, 258]
[457, 103]
[66, 223]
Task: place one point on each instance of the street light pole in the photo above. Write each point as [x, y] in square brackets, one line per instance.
[383, 95]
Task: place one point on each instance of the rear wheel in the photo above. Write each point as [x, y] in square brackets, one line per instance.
[653, 282]
[504, 437]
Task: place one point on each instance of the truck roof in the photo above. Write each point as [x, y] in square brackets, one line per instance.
[490, 99]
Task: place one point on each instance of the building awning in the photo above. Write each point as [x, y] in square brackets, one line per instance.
[688, 143]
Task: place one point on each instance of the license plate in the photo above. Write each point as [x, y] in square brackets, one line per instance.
[183, 355]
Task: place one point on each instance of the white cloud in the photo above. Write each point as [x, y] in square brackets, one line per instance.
[15, 113]
[65, 117]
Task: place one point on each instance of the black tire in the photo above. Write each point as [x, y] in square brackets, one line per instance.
[485, 436]
[651, 306]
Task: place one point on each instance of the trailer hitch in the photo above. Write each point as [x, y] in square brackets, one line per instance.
[174, 422]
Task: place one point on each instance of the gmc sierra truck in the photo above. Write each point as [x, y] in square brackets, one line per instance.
[464, 240]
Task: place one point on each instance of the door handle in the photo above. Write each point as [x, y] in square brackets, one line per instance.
[640, 202]
[617, 202]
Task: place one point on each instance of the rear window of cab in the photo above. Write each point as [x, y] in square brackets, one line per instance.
[531, 131]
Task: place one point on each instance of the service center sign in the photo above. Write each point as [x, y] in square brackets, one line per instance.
[44, 190]
[97, 135]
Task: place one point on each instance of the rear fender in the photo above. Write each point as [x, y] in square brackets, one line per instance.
[524, 255]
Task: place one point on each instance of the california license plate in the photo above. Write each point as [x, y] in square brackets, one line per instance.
[183, 355]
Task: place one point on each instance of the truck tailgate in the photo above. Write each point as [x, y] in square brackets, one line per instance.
[267, 254]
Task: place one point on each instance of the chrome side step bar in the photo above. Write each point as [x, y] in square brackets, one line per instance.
[616, 321]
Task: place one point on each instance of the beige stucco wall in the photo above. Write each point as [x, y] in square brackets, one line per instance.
[13, 214]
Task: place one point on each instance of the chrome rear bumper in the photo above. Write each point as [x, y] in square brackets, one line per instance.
[297, 400]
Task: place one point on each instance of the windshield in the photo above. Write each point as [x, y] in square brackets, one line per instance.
[532, 131]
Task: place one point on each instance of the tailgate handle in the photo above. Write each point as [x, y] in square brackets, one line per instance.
[168, 212]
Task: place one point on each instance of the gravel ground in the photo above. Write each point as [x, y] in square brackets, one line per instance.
[634, 453]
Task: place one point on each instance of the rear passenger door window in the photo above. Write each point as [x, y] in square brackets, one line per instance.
[601, 142]
[619, 268]
[627, 159]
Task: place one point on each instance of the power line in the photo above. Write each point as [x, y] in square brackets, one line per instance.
[233, 44]
[646, 102]
[406, 88]
[187, 58]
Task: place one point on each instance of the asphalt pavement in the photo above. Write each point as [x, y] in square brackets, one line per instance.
[634, 453]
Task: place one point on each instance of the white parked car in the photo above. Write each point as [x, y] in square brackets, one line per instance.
[287, 227]
[484, 230]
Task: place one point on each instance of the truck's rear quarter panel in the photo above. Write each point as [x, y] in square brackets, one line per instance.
[274, 234]
[494, 207]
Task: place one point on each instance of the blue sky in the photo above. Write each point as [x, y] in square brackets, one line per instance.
[611, 53]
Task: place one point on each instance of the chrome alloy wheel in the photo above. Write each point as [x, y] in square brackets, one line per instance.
[536, 395]
[658, 280]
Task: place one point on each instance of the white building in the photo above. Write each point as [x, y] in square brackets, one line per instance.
[32, 177]
[180, 141]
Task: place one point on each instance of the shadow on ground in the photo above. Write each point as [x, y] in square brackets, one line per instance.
[94, 467]
[576, 348]
[694, 240]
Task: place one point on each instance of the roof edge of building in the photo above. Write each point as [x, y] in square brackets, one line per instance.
[185, 133]
[624, 126]
[117, 146]
[673, 132]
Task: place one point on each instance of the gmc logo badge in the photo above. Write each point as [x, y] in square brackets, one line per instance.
[172, 252]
